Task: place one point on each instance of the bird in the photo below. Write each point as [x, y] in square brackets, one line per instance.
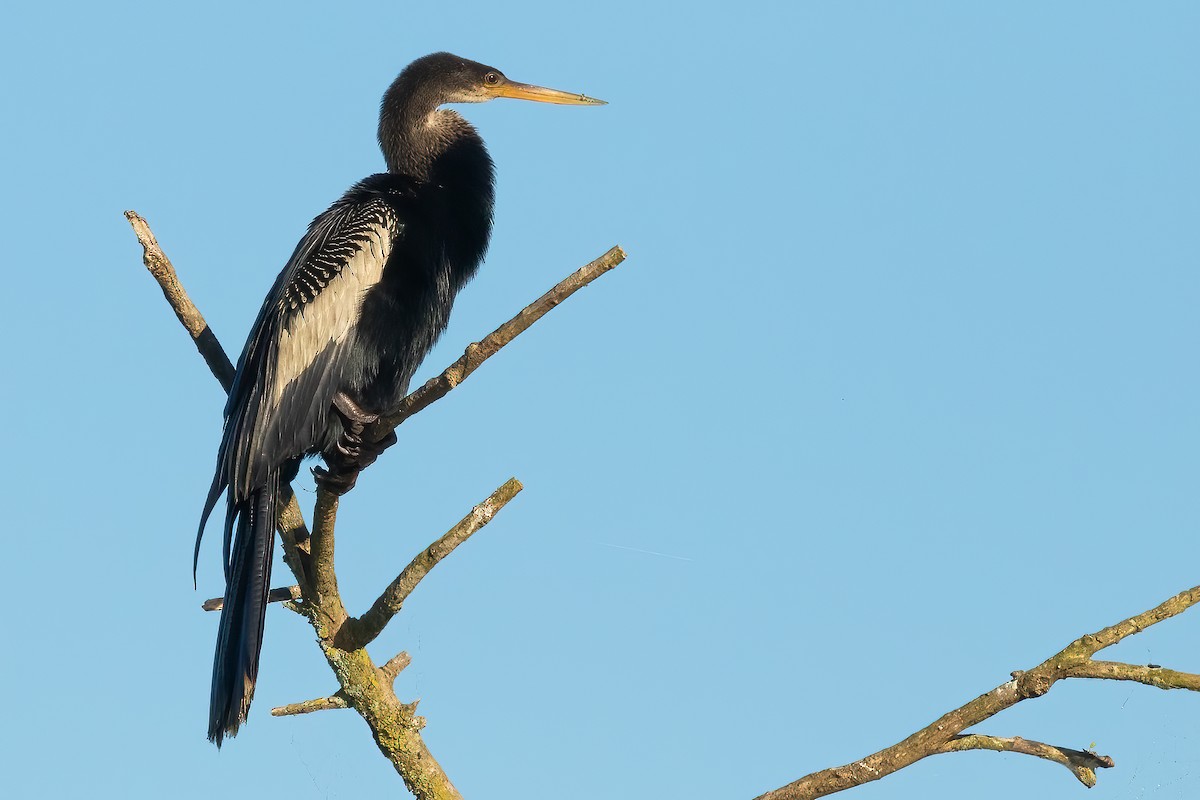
[357, 307]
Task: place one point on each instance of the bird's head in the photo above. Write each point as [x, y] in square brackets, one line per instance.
[448, 78]
[414, 131]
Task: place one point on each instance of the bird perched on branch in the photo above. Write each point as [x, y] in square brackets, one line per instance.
[359, 304]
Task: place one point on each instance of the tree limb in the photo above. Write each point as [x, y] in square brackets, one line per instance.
[337, 700]
[365, 687]
[395, 726]
[476, 353]
[1082, 763]
[324, 578]
[160, 267]
[361, 632]
[1072, 661]
[280, 595]
[1151, 675]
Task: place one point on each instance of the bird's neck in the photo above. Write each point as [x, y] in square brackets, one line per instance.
[443, 153]
[413, 136]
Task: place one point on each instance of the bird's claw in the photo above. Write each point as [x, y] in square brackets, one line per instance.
[350, 454]
[337, 483]
[345, 461]
[349, 445]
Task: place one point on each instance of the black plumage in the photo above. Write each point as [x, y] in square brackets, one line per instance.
[359, 304]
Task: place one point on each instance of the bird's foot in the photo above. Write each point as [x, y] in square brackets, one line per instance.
[350, 454]
[334, 482]
[348, 449]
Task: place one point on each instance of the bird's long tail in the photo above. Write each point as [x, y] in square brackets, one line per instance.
[247, 582]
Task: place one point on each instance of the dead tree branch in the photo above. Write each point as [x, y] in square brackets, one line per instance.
[476, 353]
[290, 518]
[340, 699]
[1082, 763]
[395, 725]
[1151, 675]
[193, 322]
[364, 630]
[280, 595]
[337, 700]
[1073, 661]
[365, 687]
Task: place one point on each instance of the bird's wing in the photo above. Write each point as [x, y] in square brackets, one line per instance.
[298, 349]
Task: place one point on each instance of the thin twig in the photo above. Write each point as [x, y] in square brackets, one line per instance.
[291, 520]
[1160, 677]
[476, 353]
[1035, 682]
[160, 267]
[361, 632]
[280, 595]
[337, 700]
[1082, 763]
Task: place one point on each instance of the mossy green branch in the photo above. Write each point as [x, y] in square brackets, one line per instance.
[393, 724]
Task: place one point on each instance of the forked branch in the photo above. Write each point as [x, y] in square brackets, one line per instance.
[365, 687]
[368, 689]
[1073, 661]
[340, 699]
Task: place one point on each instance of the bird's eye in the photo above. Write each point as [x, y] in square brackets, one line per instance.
[491, 79]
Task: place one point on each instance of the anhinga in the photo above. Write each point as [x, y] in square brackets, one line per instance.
[357, 307]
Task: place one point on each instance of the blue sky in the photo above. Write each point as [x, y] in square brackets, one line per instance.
[896, 393]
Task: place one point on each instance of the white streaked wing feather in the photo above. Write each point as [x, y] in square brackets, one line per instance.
[331, 315]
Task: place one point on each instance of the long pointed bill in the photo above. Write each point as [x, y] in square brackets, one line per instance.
[540, 94]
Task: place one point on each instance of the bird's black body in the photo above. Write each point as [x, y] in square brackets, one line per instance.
[355, 310]
[357, 307]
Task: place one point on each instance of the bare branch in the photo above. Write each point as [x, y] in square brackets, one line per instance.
[280, 595]
[1071, 661]
[393, 724]
[295, 538]
[476, 353]
[363, 631]
[160, 267]
[309, 706]
[1094, 643]
[324, 578]
[1151, 675]
[291, 520]
[1082, 763]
